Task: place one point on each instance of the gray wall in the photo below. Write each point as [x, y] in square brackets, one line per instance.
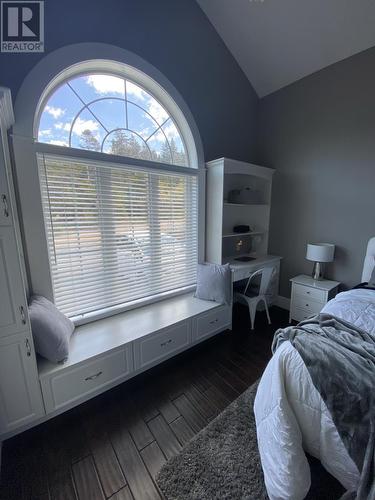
[177, 38]
[319, 133]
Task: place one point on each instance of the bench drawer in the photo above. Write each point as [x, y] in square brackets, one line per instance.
[156, 347]
[71, 385]
[212, 322]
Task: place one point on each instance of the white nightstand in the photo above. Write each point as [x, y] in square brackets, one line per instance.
[309, 296]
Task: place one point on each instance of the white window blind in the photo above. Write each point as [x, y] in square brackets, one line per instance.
[117, 233]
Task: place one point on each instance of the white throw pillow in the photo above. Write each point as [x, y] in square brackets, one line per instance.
[371, 281]
[51, 329]
[214, 282]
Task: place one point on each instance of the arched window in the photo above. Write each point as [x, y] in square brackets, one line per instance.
[119, 185]
[107, 113]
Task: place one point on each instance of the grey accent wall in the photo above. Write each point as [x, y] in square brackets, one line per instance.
[177, 38]
[319, 135]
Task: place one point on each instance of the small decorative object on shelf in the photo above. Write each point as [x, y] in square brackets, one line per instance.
[319, 253]
[309, 296]
[239, 246]
[243, 228]
[244, 196]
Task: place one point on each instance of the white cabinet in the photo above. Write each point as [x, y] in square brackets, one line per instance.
[150, 350]
[13, 308]
[20, 397]
[67, 387]
[212, 322]
[309, 296]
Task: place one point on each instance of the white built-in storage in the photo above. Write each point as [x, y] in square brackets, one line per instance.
[238, 194]
[20, 395]
[112, 350]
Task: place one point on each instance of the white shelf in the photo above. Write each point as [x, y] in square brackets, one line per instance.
[225, 176]
[246, 204]
[249, 233]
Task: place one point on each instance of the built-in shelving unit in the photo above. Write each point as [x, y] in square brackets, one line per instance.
[238, 193]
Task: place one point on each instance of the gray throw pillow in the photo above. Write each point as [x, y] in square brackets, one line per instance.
[51, 329]
[371, 281]
[214, 282]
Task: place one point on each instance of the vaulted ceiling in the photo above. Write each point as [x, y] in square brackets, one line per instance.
[277, 42]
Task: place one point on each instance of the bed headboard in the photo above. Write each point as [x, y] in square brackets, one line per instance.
[369, 262]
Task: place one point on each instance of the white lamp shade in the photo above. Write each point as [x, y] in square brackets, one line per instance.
[320, 252]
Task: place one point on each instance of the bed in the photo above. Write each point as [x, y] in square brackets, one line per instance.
[292, 417]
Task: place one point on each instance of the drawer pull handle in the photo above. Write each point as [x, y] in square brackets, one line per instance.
[214, 321]
[5, 203]
[93, 377]
[23, 316]
[163, 344]
[28, 348]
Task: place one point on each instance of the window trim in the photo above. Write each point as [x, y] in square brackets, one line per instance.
[37, 85]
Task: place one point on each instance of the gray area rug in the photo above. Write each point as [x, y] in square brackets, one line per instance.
[222, 461]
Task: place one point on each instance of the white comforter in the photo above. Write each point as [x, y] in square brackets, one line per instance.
[291, 416]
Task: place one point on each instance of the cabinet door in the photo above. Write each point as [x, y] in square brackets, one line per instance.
[5, 208]
[13, 307]
[20, 393]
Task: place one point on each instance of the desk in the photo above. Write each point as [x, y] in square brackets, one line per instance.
[242, 270]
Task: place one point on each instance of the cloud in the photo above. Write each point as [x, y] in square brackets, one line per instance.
[45, 133]
[81, 125]
[135, 91]
[63, 126]
[55, 112]
[171, 131]
[157, 111]
[105, 84]
[57, 142]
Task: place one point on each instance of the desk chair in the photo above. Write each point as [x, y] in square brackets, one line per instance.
[252, 296]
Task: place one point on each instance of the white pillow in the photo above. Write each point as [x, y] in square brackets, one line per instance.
[214, 282]
[371, 281]
[51, 329]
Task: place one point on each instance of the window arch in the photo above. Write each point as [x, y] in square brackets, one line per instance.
[111, 114]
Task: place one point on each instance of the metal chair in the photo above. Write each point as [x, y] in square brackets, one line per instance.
[252, 296]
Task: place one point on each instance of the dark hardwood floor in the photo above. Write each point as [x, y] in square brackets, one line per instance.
[114, 445]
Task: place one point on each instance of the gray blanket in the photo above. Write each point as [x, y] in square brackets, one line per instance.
[341, 361]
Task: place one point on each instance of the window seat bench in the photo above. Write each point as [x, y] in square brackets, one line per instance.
[108, 351]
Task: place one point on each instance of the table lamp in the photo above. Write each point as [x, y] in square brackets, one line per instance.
[319, 253]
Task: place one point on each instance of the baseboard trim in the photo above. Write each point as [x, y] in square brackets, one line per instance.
[282, 302]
